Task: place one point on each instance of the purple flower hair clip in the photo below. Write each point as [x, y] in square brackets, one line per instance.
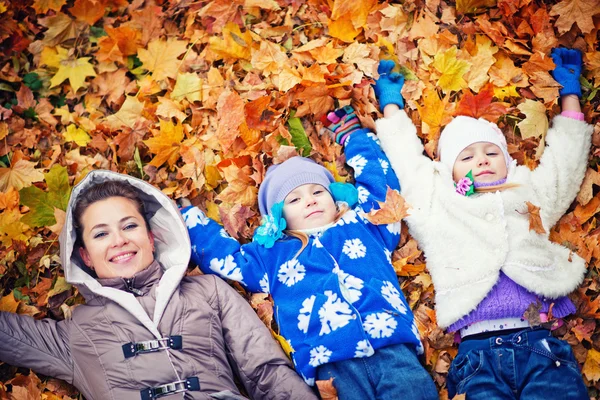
[465, 186]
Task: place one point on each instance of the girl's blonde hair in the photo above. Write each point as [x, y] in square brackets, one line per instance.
[488, 189]
[303, 237]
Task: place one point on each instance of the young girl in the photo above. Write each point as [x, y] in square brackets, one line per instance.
[487, 266]
[337, 298]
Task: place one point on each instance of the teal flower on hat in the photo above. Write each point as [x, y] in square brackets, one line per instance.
[272, 227]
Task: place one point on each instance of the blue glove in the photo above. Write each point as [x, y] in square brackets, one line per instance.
[568, 70]
[388, 86]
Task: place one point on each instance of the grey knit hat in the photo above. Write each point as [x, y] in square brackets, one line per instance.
[281, 179]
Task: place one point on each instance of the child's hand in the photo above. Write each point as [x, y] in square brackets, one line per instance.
[343, 122]
[568, 70]
[183, 202]
[388, 86]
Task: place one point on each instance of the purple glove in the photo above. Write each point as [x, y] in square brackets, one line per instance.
[568, 69]
[388, 86]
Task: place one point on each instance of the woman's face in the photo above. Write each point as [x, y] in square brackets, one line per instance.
[117, 242]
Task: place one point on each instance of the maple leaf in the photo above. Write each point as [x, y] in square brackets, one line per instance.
[161, 57]
[11, 227]
[316, 100]
[8, 303]
[591, 367]
[435, 113]
[452, 70]
[43, 6]
[535, 221]
[481, 105]
[77, 135]
[578, 12]
[535, 123]
[326, 54]
[89, 11]
[165, 144]
[188, 86]
[359, 54]
[326, 389]
[76, 70]
[61, 28]
[9, 199]
[586, 193]
[343, 28]
[287, 79]
[504, 73]
[42, 204]
[392, 210]
[234, 44]
[269, 58]
[230, 111]
[356, 10]
[481, 61]
[473, 6]
[222, 11]
[22, 174]
[129, 113]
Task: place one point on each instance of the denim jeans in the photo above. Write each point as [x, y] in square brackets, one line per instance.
[393, 372]
[529, 364]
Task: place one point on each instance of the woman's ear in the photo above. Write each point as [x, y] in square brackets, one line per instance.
[151, 238]
[85, 256]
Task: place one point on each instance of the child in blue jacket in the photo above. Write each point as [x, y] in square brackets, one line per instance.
[328, 270]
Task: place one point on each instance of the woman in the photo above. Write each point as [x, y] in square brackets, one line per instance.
[146, 330]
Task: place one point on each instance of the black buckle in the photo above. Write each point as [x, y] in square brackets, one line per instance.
[134, 348]
[190, 384]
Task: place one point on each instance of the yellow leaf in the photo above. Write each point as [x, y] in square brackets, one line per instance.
[535, 123]
[264, 4]
[481, 62]
[77, 135]
[212, 211]
[161, 57]
[60, 216]
[42, 6]
[359, 54]
[234, 44]
[270, 58]
[166, 144]
[473, 6]
[9, 304]
[73, 69]
[11, 228]
[285, 345]
[504, 92]
[188, 86]
[591, 367]
[452, 70]
[129, 113]
[326, 54]
[343, 29]
[287, 79]
[22, 174]
[356, 11]
[434, 113]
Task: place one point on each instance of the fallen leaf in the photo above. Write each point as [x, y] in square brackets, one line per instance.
[535, 123]
[8, 303]
[165, 144]
[161, 57]
[452, 70]
[326, 389]
[22, 174]
[591, 367]
[578, 12]
[42, 204]
[535, 221]
[392, 210]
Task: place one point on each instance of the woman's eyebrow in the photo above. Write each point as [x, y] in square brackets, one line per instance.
[105, 225]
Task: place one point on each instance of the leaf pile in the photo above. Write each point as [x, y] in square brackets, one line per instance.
[200, 97]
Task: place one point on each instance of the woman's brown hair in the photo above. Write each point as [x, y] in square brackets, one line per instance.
[102, 191]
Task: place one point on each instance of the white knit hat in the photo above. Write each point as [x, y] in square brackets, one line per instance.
[464, 131]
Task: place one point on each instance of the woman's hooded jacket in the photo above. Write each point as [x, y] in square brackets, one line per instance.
[159, 333]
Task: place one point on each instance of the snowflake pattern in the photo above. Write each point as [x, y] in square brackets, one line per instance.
[305, 313]
[388, 254]
[224, 234]
[264, 284]
[357, 163]
[363, 194]
[349, 284]
[415, 331]
[291, 272]
[354, 248]
[373, 137]
[384, 165]
[317, 243]
[194, 217]
[334, 314]
[349, 217]
[227, 268]
[394, 228]
[392, 295]
[319, 355]
[363, 349]
[380, 325]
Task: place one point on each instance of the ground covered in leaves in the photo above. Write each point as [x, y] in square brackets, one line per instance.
[200, 97]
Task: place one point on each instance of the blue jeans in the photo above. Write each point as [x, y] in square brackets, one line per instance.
[393, 372]
[529, 364]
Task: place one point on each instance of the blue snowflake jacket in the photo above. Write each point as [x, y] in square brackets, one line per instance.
[339, 298]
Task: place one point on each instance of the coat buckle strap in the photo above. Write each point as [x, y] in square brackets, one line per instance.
[134, 348]
[190, 384]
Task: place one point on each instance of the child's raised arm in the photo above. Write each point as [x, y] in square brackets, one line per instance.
[215, 252]
[562, 167]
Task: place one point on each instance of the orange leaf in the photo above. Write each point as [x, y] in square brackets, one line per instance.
[89, 11]
[586, 193]
[165, 144]
[535, 221]
[392, 210]
[481, 105]
[21, 175]
[578, 12]
[43, 6]
[327, 390]
[591, 367]
[9, 304]
[230, 112]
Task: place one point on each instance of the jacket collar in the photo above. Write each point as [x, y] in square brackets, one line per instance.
[139, 284]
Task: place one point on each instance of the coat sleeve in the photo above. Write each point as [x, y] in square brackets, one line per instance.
[373, 175]
[215, 252]
[399, 141]
[42, 345]
[557, 179]
[257, 358]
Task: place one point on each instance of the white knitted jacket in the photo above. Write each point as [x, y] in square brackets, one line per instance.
[468, 240]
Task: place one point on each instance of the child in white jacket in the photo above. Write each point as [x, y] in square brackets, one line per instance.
[470, 216]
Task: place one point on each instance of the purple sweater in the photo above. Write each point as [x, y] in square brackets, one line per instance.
[507, 299]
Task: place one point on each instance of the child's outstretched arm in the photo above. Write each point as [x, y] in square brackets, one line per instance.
[562, 167]
[215, 252]
[399, 140]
